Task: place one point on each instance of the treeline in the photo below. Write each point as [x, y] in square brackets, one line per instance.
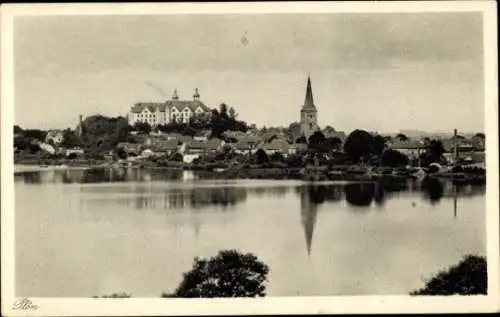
[363, 147]
[234, 274]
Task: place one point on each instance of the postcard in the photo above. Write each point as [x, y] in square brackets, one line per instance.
[249, 158]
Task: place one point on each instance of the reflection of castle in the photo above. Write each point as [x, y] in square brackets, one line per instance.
[191, 198]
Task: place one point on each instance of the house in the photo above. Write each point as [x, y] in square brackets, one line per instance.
[463, 145]
[177, 136]
[277, 146]
[130, 148]
[167, 147]
[174, 110]
[200, 138]
[467, 158]
[54, 137]
[410, 148]
[73, 151]
[245, 147]
[202, 147]
[335, 134]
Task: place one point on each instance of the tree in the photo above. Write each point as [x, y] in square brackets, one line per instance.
[17, 129]
[261, 157]
[101, 134]
[359, 145]
[468, 277]
[143, 127]
[223, 111]
[229, 274]
[70, 139]
[176, 157]
[35, 134]
[434, 151]
[401, 137]
[294, 160]
[293, 131]
[277, 157]
[121, 153]
[393, 158]
[332, 144]
[232, 113]
[480, 135]
[329, 129]
[378, 144]
[316, 140]
[301, 140]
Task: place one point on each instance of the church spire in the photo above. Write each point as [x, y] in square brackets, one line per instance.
[309, 102]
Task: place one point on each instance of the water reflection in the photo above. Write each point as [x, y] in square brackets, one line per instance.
[98, 175]
[194, 199]
[433, 189]
[360, 194]
[356, 194]
[310, 197]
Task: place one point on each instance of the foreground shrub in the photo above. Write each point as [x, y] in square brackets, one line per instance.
[229, 274]
[468, 277]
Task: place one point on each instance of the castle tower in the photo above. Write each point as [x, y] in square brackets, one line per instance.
[308, 113]
[175, 96]
[196, 95]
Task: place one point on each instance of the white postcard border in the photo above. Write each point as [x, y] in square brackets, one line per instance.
[276, 305]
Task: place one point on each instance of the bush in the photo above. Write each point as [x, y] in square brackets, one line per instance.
[469, 277]
[229, 274]
[176, 157]
[277, 157]
[261, 157]
[393, 158]
[294, 160]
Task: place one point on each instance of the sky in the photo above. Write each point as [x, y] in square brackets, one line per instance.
[381, 72]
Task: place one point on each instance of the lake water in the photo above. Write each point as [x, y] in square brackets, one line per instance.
[87, 233]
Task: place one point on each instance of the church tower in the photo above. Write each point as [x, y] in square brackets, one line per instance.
[308, 114]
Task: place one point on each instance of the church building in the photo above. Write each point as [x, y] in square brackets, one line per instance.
[308, 114]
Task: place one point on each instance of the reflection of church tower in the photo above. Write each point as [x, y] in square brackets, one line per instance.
[308, 113]
[308, 213]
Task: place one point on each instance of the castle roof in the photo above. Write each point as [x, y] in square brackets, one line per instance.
[179, 105]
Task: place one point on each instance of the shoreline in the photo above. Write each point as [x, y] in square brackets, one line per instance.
[259, 172]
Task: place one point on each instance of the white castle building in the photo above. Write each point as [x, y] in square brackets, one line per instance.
[173, 110]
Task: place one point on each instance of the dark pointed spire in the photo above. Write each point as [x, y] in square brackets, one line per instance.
[196, 95]
[309, 101]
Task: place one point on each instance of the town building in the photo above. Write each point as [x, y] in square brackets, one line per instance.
[308, 113]
[410, 148]
[174, 110]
